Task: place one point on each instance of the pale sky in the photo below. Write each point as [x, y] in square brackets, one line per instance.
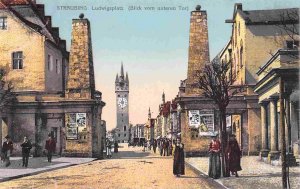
[153, 45]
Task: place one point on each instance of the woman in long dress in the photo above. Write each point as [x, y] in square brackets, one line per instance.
[214, 158]
[178, 164]
[234, 155]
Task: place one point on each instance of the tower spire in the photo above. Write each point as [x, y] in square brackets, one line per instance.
[117, 78]
[127, 79]
[122, 70]
[149, 113]
[163, 97]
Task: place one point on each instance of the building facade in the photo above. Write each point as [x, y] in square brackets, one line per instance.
[50, 99]
[122, 104]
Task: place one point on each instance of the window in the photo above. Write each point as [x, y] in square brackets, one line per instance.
[124, 128]
[3, 23]
[50, 63]
[119, 135]
[124, 135]
[57, 67]
[17, 60]
[241, 56]
[292, 44]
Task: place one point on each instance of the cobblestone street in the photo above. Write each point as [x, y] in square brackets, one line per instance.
[130, 168]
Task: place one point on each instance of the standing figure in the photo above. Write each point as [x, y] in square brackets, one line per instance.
[50, 147]
[7, 149]
[108, 149]
[116, 147]
[26, 146]
[234, 155]
[154, 146]
[214, 158]
[178, 164]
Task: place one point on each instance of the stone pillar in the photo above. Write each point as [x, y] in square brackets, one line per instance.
[264, 129]
[81, 81]
[274, 153]
[198, 47]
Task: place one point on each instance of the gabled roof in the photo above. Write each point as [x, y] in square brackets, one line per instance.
[270, 16]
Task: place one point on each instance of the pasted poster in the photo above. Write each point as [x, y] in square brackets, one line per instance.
[206, 124]
[194, 118]
[75, 125]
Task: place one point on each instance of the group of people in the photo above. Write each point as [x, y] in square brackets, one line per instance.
[232, 156]
[7, 149]
[165, 146]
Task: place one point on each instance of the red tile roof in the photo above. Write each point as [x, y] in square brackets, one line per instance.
[17, 2]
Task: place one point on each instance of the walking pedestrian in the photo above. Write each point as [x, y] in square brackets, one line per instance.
[154, 145]
[7, 149]
[116, 147]
[145, 146]
[108, 148]
[178, 163]
[50, 147]
[26, 146]
[234, 155]
[214, 158]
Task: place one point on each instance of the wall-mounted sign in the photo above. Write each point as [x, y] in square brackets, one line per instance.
[75, 126]
[206, 127]
[194, 118]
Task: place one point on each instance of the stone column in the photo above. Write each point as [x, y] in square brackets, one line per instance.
[274, 153]
[264, 129]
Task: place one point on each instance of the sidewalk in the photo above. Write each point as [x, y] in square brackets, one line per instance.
[255, 174]
[37, 165]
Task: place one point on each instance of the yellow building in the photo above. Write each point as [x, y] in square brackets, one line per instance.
[282, 70]
[37, 64]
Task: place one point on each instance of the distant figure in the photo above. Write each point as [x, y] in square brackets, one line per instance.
[178, 164]
[26, 146]
[116, 147]
[50, 147]
[108, 149]
[7, 149]
[214, 158]
[234, 155]
[154, 146]
[145, 146]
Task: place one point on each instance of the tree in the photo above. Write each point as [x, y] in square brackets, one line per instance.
[216, 82]
[6, 87]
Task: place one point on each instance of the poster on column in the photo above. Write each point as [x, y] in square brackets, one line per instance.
[194, 118]
[206, 127]
[81, 121]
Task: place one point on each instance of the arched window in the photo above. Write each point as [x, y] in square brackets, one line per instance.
[125, 128]
[241, 56]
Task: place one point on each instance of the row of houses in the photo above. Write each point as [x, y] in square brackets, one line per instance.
[54, 90]
[263, 52]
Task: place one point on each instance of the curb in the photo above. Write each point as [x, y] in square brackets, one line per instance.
[218, 183]
[35, 173]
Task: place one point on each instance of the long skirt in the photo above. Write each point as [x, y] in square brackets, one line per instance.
[214, 165]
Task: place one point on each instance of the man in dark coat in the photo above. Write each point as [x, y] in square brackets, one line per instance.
[50, 147]
[234, 155]
[116, 147]
[178, 164]
[26, 146]
[7, 149]
[154, 145]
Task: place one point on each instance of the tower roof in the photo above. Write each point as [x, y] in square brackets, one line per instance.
[122, 70]
[127, 79]
[117, 78]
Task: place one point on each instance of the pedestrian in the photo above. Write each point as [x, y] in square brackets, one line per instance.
[145, 146]
[170, 147]
[108, 149]
[7, 149]
[154, 145]
[214, 158]
[26, 146]
[178, 164]
[50, 147]
[116, 147]
[234, 155]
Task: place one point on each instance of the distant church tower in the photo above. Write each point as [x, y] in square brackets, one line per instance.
[122, 102]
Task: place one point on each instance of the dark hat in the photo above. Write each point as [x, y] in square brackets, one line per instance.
[7, 137]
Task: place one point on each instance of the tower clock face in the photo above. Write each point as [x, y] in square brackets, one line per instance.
[122, 102]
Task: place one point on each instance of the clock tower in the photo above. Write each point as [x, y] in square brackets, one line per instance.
[122, 103]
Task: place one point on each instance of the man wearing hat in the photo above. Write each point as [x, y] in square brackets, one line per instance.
[7, 149]
[234, 155]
